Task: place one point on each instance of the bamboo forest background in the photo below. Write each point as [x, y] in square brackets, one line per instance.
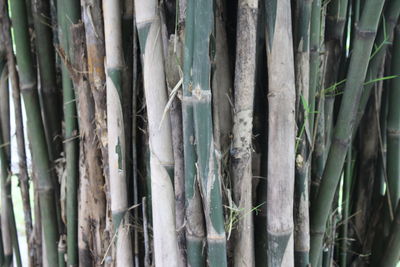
[199, 133]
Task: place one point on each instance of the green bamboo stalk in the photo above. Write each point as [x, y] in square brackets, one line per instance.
[391, 254]
[281, 134]
[393, 125]
[50, 94]
[315, 43]
[315, 36]
[68, 13]
[382, 163]
[35, 129]
[209, 174]
[347, 180]
[62, 249]
[335, 58]
[382, 42]
[195, 233]
[363, 42]
[23, 170]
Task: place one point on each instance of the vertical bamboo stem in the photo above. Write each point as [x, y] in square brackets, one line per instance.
[208, 171]
[35, 129]
[393, 126]
[242, 130]
[92, 106]
[68, 13]
[301, 195]
[116, 132]
[382, 41]
[50, 93]
[281, 134]
[195, 232]
[160, 139]
[23, 170]
[363, 42]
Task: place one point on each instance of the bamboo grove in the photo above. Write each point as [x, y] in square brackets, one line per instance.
[199, 133]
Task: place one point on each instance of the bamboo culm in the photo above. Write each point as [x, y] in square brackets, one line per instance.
[195, 228]
[242, 129]
[363, 42]
[36, 132]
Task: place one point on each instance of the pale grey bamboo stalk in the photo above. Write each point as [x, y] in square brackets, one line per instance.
[281, 134]
[245, 70]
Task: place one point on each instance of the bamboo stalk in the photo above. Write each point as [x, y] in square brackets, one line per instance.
[62, 249]
[23, 170]
[161, 154]
[94, 32]
[208, 171]
[173, 62]
[382, 41]
[335, 58]
[68, 13]
[50, 94]
[4, 96]
[393, 125]
[245, 72]
[35, 129]
[281, 135]
[116, 132]
[315, 34]
[93, 120]
[363, 42]
[301, 196]
[347, 180]
[92, 246]
[315, 49]
[221, 86]
[195, 232]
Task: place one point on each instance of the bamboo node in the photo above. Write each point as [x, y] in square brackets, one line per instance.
[365, 34]
[28, 86]
[202, 95]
